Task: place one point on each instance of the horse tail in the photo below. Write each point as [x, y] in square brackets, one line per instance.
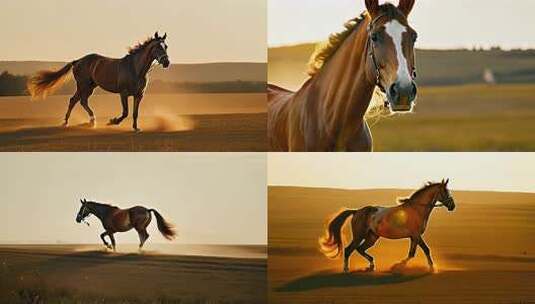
[166, 229]
[331, 244]
[45, 82]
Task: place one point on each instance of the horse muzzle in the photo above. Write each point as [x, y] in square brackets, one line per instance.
[402, 96]
[164, 61]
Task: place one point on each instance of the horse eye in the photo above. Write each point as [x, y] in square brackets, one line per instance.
[375, 37]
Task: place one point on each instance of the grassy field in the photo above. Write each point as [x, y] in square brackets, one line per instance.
[455, 111]
[178, 122]
[484, 251]
[81, 274]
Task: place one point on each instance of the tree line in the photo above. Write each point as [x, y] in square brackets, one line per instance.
[15, 85]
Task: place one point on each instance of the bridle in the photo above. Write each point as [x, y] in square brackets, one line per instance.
[371, 49]
[371, 53]
[83, 219]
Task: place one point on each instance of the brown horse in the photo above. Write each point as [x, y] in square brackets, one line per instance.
[327, 112]
[121, 220]
[408, 220]
[126, 76]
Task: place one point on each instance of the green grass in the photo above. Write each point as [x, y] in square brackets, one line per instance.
[463, 118]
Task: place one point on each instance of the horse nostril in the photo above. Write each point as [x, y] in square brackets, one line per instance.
[393, 91]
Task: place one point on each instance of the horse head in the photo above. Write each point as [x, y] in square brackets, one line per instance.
[391, 60]
[445, 197]
[84, 211]
[159, 51]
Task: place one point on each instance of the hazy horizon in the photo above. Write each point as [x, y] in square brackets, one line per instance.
[209, 197]
[498, 172]
[454, 24]
[198, 32]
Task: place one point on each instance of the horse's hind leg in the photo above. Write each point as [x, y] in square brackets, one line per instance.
[348, 252]
[124, 103]
[85, 103]
[73, 101]
[370, 240]
[143, 237]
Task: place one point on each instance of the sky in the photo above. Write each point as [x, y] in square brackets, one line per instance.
[212, 198]
[441, 24]
[198, 31]
[510, 172]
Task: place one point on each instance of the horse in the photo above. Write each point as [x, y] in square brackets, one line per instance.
[376, 50]
[121, 220]
[407, 220]
[126, 76]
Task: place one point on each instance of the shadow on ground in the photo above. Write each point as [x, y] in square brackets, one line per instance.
[330, 279]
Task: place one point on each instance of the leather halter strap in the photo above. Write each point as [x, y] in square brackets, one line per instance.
[372, 53]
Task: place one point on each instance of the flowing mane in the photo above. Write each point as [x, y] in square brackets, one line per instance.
[327, 49]
[140, 46]
[426, 187]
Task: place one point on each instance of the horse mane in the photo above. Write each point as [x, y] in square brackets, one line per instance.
[140, 46]
[102, 204]
[408, 200]
[326, 51]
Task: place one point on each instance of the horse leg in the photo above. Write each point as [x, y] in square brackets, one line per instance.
[124, 103]
[74, 100]
[347, 254]
[137, 101]
[85, 104]
[112, 241]
[370, 240]
[427, 252]
[143, 236]
[102, 235]
[412, 251]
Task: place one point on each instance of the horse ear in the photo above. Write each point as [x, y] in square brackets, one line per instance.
[81, 201]
[372, 6]
[164, 36]
[405, 6]
[447, 181]
[156, 35]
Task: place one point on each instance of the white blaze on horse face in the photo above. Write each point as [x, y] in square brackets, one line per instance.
[396, 30]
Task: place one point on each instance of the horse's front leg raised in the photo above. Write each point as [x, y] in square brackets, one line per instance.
[124, 103]
[137, 101]
[102, 235]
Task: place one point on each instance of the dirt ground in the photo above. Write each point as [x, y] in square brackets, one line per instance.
[179, 122]
[86, 274]
[484, 251]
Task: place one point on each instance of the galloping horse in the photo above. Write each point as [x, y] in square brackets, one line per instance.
[327, 112]
[126, 76]
[121, 220]
[408, 220]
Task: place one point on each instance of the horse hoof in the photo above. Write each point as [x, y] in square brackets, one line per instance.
[136, 130]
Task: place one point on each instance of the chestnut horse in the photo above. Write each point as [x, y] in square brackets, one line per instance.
[126, 76]
[408, 220]
[328, 112]
[121, 220]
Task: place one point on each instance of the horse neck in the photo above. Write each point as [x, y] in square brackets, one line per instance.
[100, 211]
[424, 203]
[142, 62]
[342, 86]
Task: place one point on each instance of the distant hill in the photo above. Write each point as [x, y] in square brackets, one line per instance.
[287, 65]
[207, 72]
[179, 78]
